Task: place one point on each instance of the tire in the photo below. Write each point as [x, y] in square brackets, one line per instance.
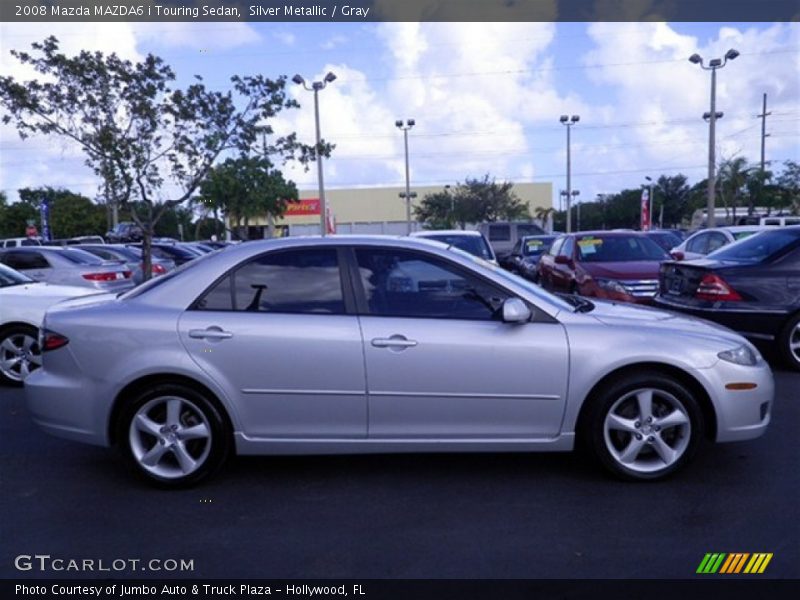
[617, 432]
[19, 353]
[173, 436]
[790, 343]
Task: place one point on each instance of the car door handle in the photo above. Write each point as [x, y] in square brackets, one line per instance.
[393, 342]
[212, 333]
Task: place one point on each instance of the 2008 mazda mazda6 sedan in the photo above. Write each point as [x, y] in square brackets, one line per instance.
[376, 344]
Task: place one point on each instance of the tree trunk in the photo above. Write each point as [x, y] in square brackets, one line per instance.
[147, 260]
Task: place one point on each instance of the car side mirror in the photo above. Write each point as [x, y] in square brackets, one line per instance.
[516, 311]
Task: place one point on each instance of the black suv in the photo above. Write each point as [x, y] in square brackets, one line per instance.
[125, 232]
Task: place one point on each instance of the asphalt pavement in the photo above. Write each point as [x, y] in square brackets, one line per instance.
[402, 516]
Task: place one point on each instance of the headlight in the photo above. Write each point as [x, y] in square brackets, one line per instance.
[611, 285]
[742, 355]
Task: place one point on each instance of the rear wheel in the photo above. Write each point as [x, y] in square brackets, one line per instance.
[790, 343]
[19, 353]
[644, 427]
[173, 435]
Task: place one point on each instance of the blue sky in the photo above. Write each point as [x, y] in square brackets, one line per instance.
[486, 97]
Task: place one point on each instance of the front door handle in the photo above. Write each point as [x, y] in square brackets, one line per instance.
[212, 333]
[395, 341]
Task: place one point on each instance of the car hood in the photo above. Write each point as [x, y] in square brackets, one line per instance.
[655, 320]
[639, 269]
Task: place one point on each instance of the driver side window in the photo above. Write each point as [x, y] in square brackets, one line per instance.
[400, 283]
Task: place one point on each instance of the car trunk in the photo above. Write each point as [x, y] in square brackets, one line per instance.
[680, 280]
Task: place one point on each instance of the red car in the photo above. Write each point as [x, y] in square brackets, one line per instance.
[615, 265]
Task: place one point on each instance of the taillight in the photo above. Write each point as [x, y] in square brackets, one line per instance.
[715, 288]
[678, 255]
[51, 340]
[111, 276]
[158, 269]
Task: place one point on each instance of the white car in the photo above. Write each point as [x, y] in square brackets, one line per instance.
[23, 303]
[706, 241]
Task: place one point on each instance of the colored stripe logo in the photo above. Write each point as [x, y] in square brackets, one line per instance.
[734, 563]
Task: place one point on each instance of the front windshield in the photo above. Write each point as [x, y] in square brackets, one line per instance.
[618, 248]
[9, 277]
[759, 247]
[474, 244]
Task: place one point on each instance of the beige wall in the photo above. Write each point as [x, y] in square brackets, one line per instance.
[375, 205]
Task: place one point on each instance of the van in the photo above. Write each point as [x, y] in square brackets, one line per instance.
[779, 221]
[502, 235]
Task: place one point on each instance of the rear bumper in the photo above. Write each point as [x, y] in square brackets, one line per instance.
[757, 325]
[66, 407]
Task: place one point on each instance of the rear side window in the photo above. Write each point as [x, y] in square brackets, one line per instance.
[698, 244]
[303, 281]
[25, 260]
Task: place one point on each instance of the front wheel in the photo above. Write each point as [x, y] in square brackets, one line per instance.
[644, 427]
[19, 353]
[173, 435]
[790, 343]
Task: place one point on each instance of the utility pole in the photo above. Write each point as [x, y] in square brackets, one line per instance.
[764, 135]
[408, 195]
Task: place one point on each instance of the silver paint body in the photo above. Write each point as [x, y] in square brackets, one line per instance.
[320, 383]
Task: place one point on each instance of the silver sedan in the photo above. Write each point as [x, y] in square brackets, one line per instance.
[376, 344]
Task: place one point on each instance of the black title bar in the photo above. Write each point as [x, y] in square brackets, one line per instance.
[399, 10]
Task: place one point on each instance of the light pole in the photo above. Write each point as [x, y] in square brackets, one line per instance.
[316, 87]
[569, 122]
[713, 65]
[405, 127]
[649, 185]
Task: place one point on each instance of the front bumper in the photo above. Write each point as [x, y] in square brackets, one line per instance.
[741, 414]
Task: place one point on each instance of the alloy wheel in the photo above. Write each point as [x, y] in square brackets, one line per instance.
[19, 356]
[170, 437]
[647, 430]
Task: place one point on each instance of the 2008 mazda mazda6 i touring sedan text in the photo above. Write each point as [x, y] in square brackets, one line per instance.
[376, 344]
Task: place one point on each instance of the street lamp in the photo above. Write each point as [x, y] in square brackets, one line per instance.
[712, 117]
[316, 87]
[404, 128]
[569, 122]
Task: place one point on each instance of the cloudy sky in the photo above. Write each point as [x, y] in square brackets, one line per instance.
[486, 97]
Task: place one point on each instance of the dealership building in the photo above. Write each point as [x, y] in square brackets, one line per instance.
[371, 210]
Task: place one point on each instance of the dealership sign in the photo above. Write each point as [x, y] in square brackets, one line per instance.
[302, 208]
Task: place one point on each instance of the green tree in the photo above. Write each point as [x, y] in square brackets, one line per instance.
[671, 199]
[71, 214]
[474, 201]
[246, 187]
[149, 140]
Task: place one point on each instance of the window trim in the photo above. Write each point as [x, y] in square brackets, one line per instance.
[344, 282]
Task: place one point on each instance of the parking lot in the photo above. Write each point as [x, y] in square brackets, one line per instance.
[415, 516]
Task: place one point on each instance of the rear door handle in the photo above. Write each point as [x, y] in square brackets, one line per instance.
[396, 341]
[212, 333]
